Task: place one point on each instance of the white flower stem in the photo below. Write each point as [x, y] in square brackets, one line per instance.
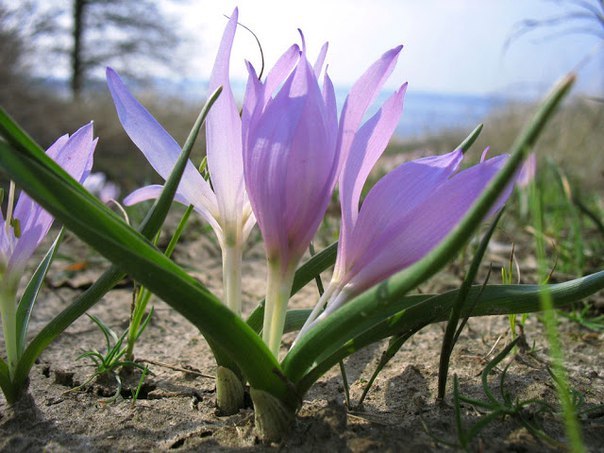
[231, 276]
[279, 286]
[318, 308]
[8, 311]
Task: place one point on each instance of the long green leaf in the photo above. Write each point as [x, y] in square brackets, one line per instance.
[484, 301]
[451, 332]
[28, 299]
[149, 228]
[15, 135]
[333, 332]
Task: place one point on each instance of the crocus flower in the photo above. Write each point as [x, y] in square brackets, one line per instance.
[406, 214]
[226, 208]
[28, 224]
[97, 184]
[293, 151]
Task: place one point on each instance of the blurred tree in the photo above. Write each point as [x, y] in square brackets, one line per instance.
[87, 35]
[12, 50]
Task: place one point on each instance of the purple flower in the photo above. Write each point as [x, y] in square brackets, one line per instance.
[293, 152]
[97, 184]
[528, 171]
[27, 225]
[406, 214]
[226, 207]
[290, 155]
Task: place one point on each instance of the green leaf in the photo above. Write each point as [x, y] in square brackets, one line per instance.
[30, 295]
[451, 332]
[333, 332]
[416, 311]
[14, 134]
[149, 228]
[470, 139]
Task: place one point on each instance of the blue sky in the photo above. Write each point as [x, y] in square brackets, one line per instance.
[450, 45]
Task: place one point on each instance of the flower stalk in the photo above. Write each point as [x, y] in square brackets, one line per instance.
[8, 311]
[279, 285]
[232, 257]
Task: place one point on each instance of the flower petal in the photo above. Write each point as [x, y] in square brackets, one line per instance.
[318, 66]
[368, 145]
[151, 192]
[290, 164]
[160, 149]
[223, 135]
[280, 71]
[74, 154]
[361, 96]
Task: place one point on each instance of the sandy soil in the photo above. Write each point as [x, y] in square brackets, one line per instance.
[176, 408]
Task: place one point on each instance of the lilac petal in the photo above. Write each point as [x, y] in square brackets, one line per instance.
[361, 96]
[223, 134]
[160, 149]
[280, 71]
[318, 66]
[151, 192]
[290, 164]
[258, 95]
[329, 96]
[74, 154]
[527, 172]
[368, 145]
[265, 164]
[312, 164]
[391, 201]
[424, 226]
[253, 92]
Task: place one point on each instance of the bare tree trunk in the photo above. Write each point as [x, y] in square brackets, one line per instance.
[77, 70]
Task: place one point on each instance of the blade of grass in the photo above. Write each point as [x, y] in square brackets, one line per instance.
[30, 294]
[413, 312]
[571, 424]
[450, 332]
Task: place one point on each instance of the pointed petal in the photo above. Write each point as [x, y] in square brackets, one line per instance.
[290, 164]
[252, 100]
[318, 66]
[223, 135]
[151, 192]
[368, 145]
[160, 149]
[74, 154]
[528, 171]
[361, 96]
[280, 71]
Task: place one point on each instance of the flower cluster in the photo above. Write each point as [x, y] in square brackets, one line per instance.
[275, 161]
[278, 164]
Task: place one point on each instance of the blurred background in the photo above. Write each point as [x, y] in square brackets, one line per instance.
[466, 61]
